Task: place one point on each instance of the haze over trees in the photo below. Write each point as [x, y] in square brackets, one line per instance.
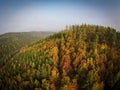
[10, 43]
[81, 57]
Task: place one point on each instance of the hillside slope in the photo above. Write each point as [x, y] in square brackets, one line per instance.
[10, 43]
[85, 57]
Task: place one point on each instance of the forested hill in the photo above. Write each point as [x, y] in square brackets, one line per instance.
[10, 43]
[82, 57]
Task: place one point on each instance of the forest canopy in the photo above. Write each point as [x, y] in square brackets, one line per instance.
[81, 57]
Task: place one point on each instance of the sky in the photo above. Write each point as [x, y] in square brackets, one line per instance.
[54, 15]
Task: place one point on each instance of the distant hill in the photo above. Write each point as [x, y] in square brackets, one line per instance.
[10, 43]
[82, 57]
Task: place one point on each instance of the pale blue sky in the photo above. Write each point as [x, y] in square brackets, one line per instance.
[54, 15]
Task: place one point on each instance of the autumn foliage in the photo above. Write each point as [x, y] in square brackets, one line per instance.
[81, 57]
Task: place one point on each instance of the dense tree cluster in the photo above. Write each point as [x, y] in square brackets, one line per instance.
[10, 43]
[81, 57]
